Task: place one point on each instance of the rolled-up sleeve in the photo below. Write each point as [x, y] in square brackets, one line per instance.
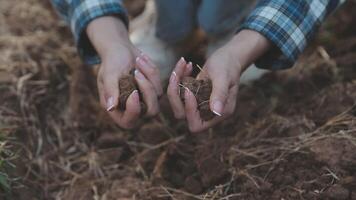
[79, 13]
[289, 25]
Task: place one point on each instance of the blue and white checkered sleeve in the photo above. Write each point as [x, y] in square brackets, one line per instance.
[289, 25]
[79, 13]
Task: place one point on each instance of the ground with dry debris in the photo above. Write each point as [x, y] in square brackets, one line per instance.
[293, 135]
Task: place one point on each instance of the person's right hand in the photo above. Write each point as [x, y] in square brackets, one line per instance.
[110, 38]
[224, 68]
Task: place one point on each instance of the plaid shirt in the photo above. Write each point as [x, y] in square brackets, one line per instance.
[79, 13]
[288, 24]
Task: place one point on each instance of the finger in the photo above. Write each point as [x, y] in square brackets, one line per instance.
[127, 119]
[173, 89]
[188, 69]
[195, 123]
[191, 109]
[173, 93]
[219, 93]
[146, 66]
[133, 110]
[229, 109]
[101, 93]
[231, 101]
[147, 59]
[111, 91]
[115, 115]
[149, 94]
[180, 68]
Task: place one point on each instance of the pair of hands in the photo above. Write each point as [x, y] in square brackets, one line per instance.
[225, 87]
[119, 56]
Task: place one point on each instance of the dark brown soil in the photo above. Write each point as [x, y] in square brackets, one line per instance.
[128, 84]
[201, 90]
[293, 136]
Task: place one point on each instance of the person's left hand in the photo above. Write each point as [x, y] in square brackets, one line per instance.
[224, 69]
[224, 72]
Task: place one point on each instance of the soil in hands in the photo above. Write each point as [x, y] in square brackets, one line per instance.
[128, 84]
[202, 91]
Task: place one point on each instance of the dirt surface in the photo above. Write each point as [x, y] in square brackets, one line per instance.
[202, 91]
[293, 135]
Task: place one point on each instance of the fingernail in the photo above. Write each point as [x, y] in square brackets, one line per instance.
[137, 60]
[182, 60]
[145, 56]
[135, 95]
[190, 66]
[139, 75]
[217, 108]
[110, 104]
[142, 62]
[173, 77]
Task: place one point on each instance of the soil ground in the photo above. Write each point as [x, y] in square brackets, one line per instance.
[293, 135]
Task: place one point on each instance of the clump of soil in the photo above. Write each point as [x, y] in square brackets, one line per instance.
[201, 90]
[128, 84]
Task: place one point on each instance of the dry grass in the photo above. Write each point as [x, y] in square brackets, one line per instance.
[69, 149]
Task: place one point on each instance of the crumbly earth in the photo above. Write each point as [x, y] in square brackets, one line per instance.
[201, 90]
[293, 135]
[128, 84]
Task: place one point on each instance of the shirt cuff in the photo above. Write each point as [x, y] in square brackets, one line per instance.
[84, 11]
[289, 25]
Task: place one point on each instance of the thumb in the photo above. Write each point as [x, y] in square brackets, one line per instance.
[219, 94]
[111, 92]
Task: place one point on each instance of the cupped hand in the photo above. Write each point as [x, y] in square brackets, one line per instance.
[121, 63]
[224, 71]
[110, 38]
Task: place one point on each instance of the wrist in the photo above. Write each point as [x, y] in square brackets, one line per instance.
[108, 34]
[247, 46]
[116, 52]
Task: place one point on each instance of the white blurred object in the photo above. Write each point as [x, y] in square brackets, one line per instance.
[142, 35]
[251, 74]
